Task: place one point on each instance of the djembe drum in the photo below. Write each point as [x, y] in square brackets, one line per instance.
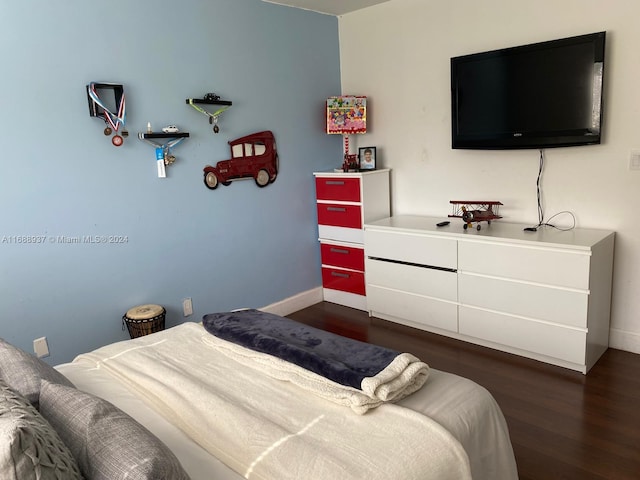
[144, 319]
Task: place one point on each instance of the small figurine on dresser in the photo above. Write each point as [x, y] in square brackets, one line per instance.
[350, 163]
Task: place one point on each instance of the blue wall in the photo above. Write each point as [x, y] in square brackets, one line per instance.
[233, 247]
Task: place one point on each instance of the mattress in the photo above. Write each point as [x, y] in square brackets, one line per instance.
[462, 407]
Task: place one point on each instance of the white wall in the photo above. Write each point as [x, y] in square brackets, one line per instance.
[397, 53]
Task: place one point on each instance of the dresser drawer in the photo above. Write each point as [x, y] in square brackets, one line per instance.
[557, 305]
[406, 247]
[340, 215]
[342, 256]
[344, 280]
[341, 234]
[539, 265]
[413, 279]
[343, 189]
[537, 337]
[414, 310]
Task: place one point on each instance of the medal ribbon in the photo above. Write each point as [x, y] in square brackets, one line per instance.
[114, 120]
[164, 146]
[172, 143]
[213, 115]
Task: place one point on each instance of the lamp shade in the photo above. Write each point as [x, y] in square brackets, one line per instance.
[347, 114]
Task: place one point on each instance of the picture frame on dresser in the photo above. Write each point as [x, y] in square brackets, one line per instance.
[367, 158]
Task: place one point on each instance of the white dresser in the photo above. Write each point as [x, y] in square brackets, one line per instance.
[544, 295]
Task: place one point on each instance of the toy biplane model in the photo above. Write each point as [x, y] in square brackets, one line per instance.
[475, 212]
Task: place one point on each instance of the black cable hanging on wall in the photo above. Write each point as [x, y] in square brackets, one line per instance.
[541, 222]
[539, 193]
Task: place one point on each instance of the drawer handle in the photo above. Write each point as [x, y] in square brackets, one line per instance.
[335, 182]
[338, 274]
[336, 209]
[339, 250]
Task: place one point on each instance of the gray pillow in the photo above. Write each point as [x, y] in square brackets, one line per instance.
[30, 448]
[23, 372]
[107, 443]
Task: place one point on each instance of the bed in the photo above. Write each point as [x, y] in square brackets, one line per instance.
[220, 417]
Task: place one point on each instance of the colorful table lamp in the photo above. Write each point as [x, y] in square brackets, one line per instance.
[347, 115]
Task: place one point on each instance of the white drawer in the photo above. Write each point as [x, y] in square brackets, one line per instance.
[411, 309]
[412, 279]
[541, 338]
[341, 234]
[540, 265]
[566, 307]
[406, 247]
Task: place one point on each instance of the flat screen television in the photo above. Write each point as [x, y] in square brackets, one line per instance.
[541, 95]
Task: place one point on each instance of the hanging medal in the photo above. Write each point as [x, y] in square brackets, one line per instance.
[169, 158]
[163, 156]
[214, 120]
[113, 120]
[210, 98]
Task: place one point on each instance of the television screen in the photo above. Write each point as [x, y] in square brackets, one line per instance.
[541, 95]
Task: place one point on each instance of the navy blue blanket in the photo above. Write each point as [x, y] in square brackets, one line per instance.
[340, 359]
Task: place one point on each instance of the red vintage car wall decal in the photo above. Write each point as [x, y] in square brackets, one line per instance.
[252, 156]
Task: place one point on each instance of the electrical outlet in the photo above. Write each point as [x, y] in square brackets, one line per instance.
[187, 307]
[634, 160]
[40, 347]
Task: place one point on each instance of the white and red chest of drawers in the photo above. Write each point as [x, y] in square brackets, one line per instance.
[345, 202]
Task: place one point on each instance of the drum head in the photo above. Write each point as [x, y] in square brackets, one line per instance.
[144, 312]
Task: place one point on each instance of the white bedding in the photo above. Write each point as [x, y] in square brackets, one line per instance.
[463, 408]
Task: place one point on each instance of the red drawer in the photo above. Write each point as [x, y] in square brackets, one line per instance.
[344, 189]
[344, 280]
[339, 215]
[340, 256]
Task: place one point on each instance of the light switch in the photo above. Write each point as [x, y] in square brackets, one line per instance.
[40, 347]
[187, 307]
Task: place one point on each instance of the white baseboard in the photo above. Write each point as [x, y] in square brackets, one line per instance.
[345, 298]
[624, 340]
[295, 303]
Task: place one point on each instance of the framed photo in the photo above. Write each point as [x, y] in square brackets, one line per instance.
[367, 158]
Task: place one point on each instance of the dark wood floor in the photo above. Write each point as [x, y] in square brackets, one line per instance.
[563, 425]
